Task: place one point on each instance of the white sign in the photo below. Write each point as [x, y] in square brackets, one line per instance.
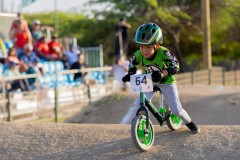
[141, 83]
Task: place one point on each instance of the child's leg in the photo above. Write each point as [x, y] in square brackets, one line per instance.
[170, 94]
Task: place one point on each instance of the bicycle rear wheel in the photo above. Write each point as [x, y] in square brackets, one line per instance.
[142, 140]
[174, 122]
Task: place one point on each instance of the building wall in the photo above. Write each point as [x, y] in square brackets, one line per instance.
[5, 24]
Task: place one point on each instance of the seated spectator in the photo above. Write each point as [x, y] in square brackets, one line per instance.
[1, 71]
[28, 56]
[42, 50]
[71, 55]
[2, 60]
[38, 67]
[81, 77]
[27, 69]
[13, 71]
[12, 56]
[55, 47]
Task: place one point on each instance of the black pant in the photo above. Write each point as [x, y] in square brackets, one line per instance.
[20, 84]
[117, 46]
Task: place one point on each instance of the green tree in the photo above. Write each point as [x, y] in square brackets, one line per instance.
[174, 17]
[225, 24]
[180, 21]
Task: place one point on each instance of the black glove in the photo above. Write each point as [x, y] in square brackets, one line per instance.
[157, 76]
[126, 78]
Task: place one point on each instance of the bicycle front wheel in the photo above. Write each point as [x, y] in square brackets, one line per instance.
[143, 139]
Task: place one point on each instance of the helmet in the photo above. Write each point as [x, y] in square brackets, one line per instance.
[149, 34]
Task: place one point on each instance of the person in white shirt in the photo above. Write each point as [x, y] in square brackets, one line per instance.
[120, 68]
[71, 55]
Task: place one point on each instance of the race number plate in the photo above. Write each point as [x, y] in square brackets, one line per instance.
[141, 83]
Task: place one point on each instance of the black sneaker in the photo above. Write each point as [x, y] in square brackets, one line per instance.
[193, 127]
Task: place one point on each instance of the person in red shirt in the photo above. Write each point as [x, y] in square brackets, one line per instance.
[42, 50]
[19, 33]
[55, 47]
[20, 21]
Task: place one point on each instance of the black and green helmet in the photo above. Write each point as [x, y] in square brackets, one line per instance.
[149, 34]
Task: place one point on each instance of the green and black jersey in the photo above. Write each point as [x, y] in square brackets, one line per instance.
[162, 59]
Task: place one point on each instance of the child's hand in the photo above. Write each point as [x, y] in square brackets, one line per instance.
[157, 76]
[126, 78]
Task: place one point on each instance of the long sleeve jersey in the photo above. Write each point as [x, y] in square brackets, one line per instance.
[162, 59]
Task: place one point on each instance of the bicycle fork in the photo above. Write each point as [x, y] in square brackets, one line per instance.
[142, 108]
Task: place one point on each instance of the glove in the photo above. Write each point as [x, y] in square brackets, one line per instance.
[126, 78]
[157, 76]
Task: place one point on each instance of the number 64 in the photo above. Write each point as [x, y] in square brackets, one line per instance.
[138, 80]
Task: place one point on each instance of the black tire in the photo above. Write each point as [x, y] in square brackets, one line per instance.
[143, 141]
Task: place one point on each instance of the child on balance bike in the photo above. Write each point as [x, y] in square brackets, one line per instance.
[159, 61]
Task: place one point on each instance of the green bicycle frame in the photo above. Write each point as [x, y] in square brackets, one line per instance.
[145, 102]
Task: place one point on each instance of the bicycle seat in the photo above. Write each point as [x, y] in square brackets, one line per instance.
[156, 89]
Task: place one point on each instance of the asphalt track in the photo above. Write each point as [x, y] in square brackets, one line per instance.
[112, 141]
[98, 134]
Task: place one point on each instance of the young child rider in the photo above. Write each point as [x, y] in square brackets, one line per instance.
[159, 61]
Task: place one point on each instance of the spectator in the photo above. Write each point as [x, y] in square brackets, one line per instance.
[2, 60]
[120, 68]
[27, 69]
[16, 24]
[121, 37]
[38, 67]
[81, 77]
[1, 71]
[13, 71]
[37, 30]
[42, 49]
[71, 55]
[28, 56]
[55, 47]
[19, 33]
[12, 56]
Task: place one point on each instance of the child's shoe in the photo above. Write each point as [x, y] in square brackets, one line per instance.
[193, 127]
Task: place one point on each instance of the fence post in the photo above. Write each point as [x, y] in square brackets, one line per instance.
[209, 76]
[223, 76]
[89, 93]
[8, 107]
[235, 77]
[38, 90]
[4, 90]
[192, 77]
[101, 55]
[56, 97]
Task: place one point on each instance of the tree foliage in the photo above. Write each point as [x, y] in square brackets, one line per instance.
[180, 21]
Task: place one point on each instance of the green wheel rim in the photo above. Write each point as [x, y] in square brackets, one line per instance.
[175, 119]
[144, 139]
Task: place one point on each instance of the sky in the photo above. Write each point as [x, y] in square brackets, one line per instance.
[46, 6]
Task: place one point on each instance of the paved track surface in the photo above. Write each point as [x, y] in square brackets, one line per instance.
[207, 105]
[97, 133]
[109, 141]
